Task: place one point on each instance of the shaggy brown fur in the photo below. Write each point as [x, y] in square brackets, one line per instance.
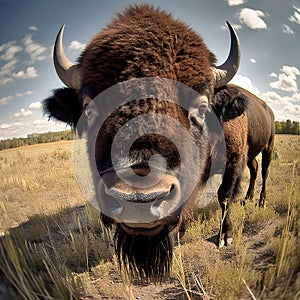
[144, 42]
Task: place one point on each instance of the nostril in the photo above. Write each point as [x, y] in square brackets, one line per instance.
[172, 187]
[141, 171]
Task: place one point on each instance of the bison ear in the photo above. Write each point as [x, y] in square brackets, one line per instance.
[229, 102]
[63, 105]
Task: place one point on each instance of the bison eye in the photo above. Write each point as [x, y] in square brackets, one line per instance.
[202, 110]
[197, 115]
[88, 112]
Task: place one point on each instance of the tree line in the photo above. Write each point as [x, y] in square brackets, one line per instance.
[282, 127]
[287, 127]
[36, 138]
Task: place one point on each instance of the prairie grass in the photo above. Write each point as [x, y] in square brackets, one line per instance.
[53, 245]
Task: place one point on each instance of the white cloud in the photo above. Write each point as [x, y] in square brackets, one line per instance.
[33, 28]
[253, 60]
[290, 71]
[292, 108]
[271, 97]
[245, 82]
[6, 72]
[284, 83]
[286, 107]
[9, 50]
[24, 94]
[274, 98]
[5, 100]
[35, 50]
[35, 105]
[29, 73]
[23, 113]
[76, 45]
[9, 56]
[289, 111]
[4, 126]
[235, 26]
[235, 2]
[287, 29]
[295, 18]
[40, 122]
[10, 125]
[8, 53]
[287, 79]
[5, 81]
[252, 18]
[295, 97]
[7, 68]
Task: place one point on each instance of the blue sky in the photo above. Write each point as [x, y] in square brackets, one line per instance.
[269, 33]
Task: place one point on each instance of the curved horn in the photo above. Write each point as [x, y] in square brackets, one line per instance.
[68, 73]
[225, 72]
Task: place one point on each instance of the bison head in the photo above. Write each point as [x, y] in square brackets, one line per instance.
[141, 94]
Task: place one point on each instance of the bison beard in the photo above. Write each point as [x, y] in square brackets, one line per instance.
[144, 257]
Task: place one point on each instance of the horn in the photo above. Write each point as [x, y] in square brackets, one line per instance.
[225, 72]
[68, 73]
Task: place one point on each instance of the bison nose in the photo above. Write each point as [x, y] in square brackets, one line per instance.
[126, 203]
[139, 207]
[145, 206]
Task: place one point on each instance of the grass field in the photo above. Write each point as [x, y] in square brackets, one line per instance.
[53, 246]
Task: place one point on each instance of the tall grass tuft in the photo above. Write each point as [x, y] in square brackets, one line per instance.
[31, 282]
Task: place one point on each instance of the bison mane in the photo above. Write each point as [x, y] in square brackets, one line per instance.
[146, 42]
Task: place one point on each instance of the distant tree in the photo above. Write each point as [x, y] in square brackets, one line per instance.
[295, 128]
[287, 127]
[278, 127]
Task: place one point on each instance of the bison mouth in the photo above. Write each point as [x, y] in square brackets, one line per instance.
[139, 210]
[142, 229]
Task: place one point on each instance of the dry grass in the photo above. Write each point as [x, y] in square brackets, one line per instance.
[53, 245]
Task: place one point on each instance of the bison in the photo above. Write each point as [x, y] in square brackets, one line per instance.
[173, 120]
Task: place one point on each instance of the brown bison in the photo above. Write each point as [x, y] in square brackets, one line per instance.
[140, 189]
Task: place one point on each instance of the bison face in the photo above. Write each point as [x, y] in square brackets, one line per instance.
[147, 155]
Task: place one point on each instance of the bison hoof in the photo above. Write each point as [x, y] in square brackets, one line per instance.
[229, 241]
[261, 205]
[223, 241]
[243, 202]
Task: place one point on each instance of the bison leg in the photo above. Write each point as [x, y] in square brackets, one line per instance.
[225, 235]
[253, 167]
[265, 163]
[233, 171]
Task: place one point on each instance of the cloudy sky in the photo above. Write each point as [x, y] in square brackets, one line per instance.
[269, 33]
